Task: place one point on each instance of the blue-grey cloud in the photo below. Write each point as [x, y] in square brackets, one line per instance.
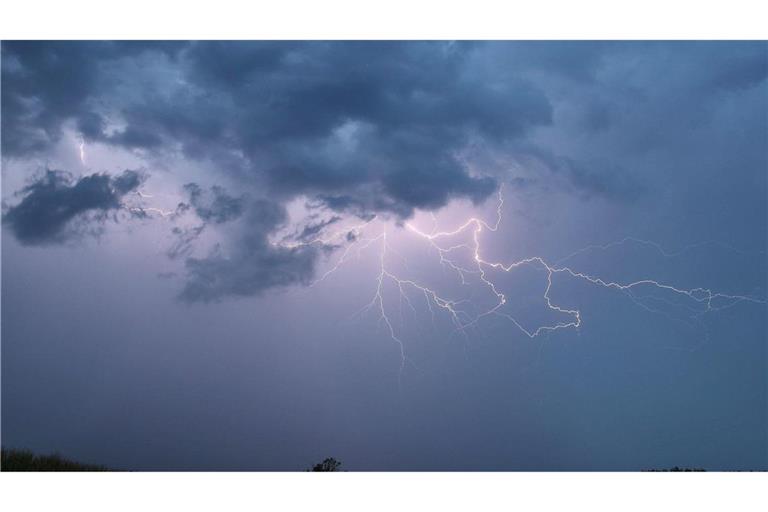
[253, 265]
[51, 205]
[390, 127]
[215, 206]
[370, 118]
[312, 229]
[46, 84]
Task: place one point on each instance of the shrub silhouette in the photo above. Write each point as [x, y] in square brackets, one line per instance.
[329, 464]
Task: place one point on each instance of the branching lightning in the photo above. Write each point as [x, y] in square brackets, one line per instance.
[460, 251]
[700, 299]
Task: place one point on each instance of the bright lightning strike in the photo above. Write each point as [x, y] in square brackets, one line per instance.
[478, 268]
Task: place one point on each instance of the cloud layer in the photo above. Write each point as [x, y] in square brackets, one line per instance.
[50, 207]
[385, 128]
[378, 124]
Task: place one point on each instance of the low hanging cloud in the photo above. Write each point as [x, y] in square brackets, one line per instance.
[212, 206]
[250, 264]
[216, 205]
[253, 265]
[57, 207]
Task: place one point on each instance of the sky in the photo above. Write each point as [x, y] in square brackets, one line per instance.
[408, 256]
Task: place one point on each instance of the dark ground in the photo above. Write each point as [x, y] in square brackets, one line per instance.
[24, 460]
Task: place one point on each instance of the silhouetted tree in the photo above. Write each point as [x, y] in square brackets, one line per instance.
[676, 469]
[329, 464]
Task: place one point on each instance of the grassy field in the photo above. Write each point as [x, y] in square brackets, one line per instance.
[24, 460]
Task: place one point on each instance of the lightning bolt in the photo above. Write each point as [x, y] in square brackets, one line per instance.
[81, 147]
[150, 209]
[701, 300]
[142, 210]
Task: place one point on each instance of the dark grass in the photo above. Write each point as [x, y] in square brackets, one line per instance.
[25, 460]
[676, 470]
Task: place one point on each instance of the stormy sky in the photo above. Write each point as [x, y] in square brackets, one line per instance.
[241, 255]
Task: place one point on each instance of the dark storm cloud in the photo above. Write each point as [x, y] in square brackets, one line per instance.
[389, 127]
[639, 115]
[378, 124]
[372, 127]
[213, 206]
[216, 205]
[381, 122]
[313, 227]
[363, 118]
[51, 205]
[254, 264]
[48, 83]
